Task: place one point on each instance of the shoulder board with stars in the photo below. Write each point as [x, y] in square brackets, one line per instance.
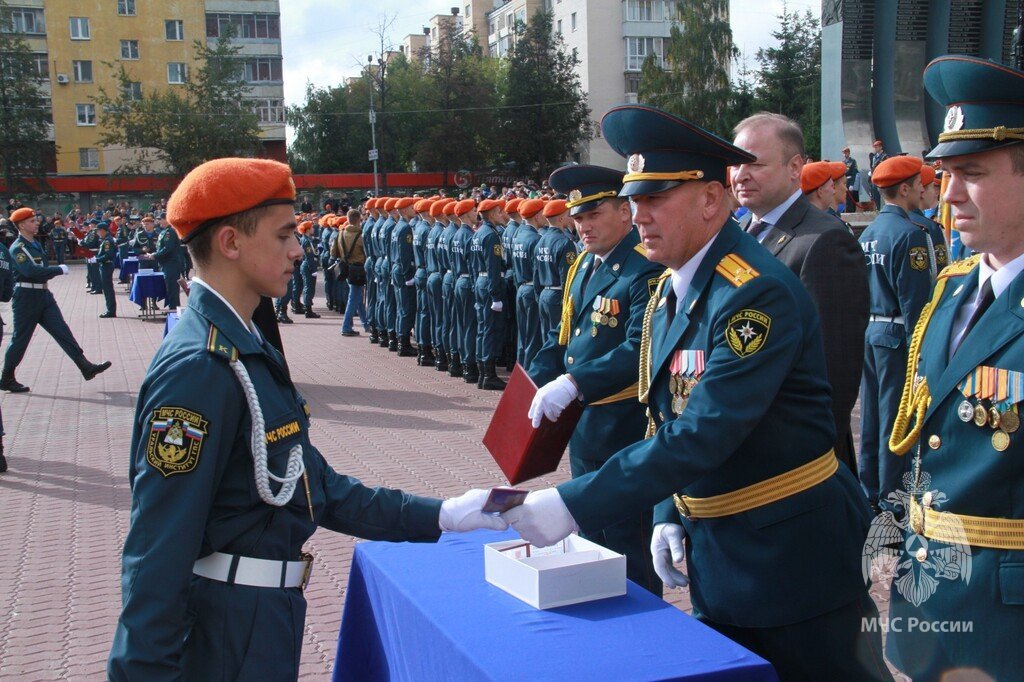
[736, 270]
[217, 344]
[961, 267]
[639, 248]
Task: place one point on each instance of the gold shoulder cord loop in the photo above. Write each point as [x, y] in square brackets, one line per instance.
[645, 350]
[567, 307]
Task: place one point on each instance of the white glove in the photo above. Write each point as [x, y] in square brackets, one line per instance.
[411, 282]
[667, 550]
[461, 514]
[496, 306]
[551, 399]
[543, 519]
[63, 268]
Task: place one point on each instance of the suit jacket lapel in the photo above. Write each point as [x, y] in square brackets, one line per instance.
[776, 239]
[1002, 322]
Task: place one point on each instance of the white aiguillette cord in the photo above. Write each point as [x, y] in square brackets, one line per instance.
[296, 467]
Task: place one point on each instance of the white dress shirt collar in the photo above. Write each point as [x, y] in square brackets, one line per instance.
[682, 277]
[773, 216]
[248, 325]
[1002, 277]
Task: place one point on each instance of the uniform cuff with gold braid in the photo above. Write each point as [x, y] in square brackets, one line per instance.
[999, 133]
[575, 198]
[676, 175]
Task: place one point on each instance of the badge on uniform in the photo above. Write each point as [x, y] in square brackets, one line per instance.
[747, 331]
[498, 250]
[20, 258]
[685, 370]
[175, 439]
[570, 257]
[996, 392]
[918, 256]
[606, 312]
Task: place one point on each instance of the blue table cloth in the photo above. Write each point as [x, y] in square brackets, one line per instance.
[129, 267]
[148, 286]
[425, 612]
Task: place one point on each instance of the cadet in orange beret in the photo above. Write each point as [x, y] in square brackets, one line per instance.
[817, 185]
[423, 255]
[524, 263]
[386, 313]
[403, 274]
[936, 235]
[465, 300]
[486, 259]
[900, 276]
[445, 258]
[32, 304]
[370, 268]
[556, 253]
[226, 483]
[436, 269]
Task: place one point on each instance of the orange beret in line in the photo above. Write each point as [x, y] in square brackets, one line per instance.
[838, 169]
[488, 204]
[814, 175]
[895, 170]
[513, 206]
[464, 206]
[405, 202]
[437, 209]
[371, 203]
[224, 187]
[927, 175]
[305, 226]
[530, 207]
[555, 207]
[421, 206]
[23, 213]
[389, 204]
[449, 208]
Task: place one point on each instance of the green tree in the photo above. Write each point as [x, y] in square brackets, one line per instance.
[790, 77]
[24, 117]
[695, 80]
[332, 130]
[544, 116]
[178, 127]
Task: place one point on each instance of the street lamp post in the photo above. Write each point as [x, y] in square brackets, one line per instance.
[373, 128]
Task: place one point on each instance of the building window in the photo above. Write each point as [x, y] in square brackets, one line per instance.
[82, 71]
[48, 109]
[174, 29]
[632, 87]
[559, 29]
[42, 64]
[129, 49]
[468, 8]
[269, 110]
[246, 26]
[262, 70]
[89, 158]
[572, 21]
[25, 20]
[177, 72]
[133, 91]
[637, 50]
[126, 8]
[79, 28]
[85, 114]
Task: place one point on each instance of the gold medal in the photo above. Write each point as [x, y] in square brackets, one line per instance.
[673, 383]
[993, 418]
[595, 317]
[1000, 440]
[593, 331]
[980, 415]
[604, 319]
[613, 322]
[1009, 421]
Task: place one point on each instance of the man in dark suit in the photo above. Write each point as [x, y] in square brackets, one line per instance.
[816, 246]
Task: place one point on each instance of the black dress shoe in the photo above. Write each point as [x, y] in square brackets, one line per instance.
[108, 315]
[313, 316]
[3, 460]
[351, 333]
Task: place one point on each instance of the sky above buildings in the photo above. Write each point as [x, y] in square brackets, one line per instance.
[325, 43]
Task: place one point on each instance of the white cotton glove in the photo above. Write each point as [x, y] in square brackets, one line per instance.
[543, 519]
[496, 306]
[461, 514]
[667, 550]
[551, 399]
[63, 268]
[410, 282]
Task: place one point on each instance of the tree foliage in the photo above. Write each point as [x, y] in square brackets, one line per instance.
[177, 127]
[24, 119]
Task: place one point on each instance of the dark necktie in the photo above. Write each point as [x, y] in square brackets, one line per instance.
[986, 296]
[586, 276]
[756, 227]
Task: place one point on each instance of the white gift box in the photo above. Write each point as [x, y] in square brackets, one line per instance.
[570, 572]
[145, 271]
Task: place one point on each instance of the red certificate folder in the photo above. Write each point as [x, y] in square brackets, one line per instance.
[522, 451]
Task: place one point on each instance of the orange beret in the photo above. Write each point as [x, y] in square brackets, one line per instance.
[895, 170]
[435, 197]
[465, 206]
[814, 175]
[488, 204]
[422, 206]
[530, 207]
[437, 209]
[336, 220]
[449, 208]
[305, 226]
[838, 169]
[23, 213]
[342, 220]
[927, 175]
[513, 205]
[554, 208]
[389, 205]
[404, 202]
[224, 187]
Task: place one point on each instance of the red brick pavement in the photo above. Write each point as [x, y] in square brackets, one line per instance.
[65, 501]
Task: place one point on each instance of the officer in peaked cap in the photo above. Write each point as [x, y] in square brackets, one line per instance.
[593, 354]
[960, 415]
[739, 460]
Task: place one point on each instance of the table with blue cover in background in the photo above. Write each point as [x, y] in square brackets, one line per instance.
[425, 612]
[146, 290]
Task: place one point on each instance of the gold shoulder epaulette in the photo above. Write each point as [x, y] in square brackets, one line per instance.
[639, 248]
[736, 270]
[218, 345]
[960, 267]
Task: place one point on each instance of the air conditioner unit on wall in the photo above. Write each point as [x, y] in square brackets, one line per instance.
[62, 78]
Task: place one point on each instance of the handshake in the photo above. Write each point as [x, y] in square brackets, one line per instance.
[543, 519]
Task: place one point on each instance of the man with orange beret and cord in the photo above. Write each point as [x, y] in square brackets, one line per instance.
[33, 304]
[370, 250]
[423, 254]
[524, 264]
[309, 267]
[486, 259]
[899, 260]
[936, 235]
[386, 313]
[556, 253]
[226, 485]
[446, 258]
[403, 274]
[437, 266]
[465, 298]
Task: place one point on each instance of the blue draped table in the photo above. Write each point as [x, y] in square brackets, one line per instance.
[129, 267]
[146, 290]
[425, 612]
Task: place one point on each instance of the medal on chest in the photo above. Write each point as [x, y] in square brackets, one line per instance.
[685, 370]
[990, 401]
